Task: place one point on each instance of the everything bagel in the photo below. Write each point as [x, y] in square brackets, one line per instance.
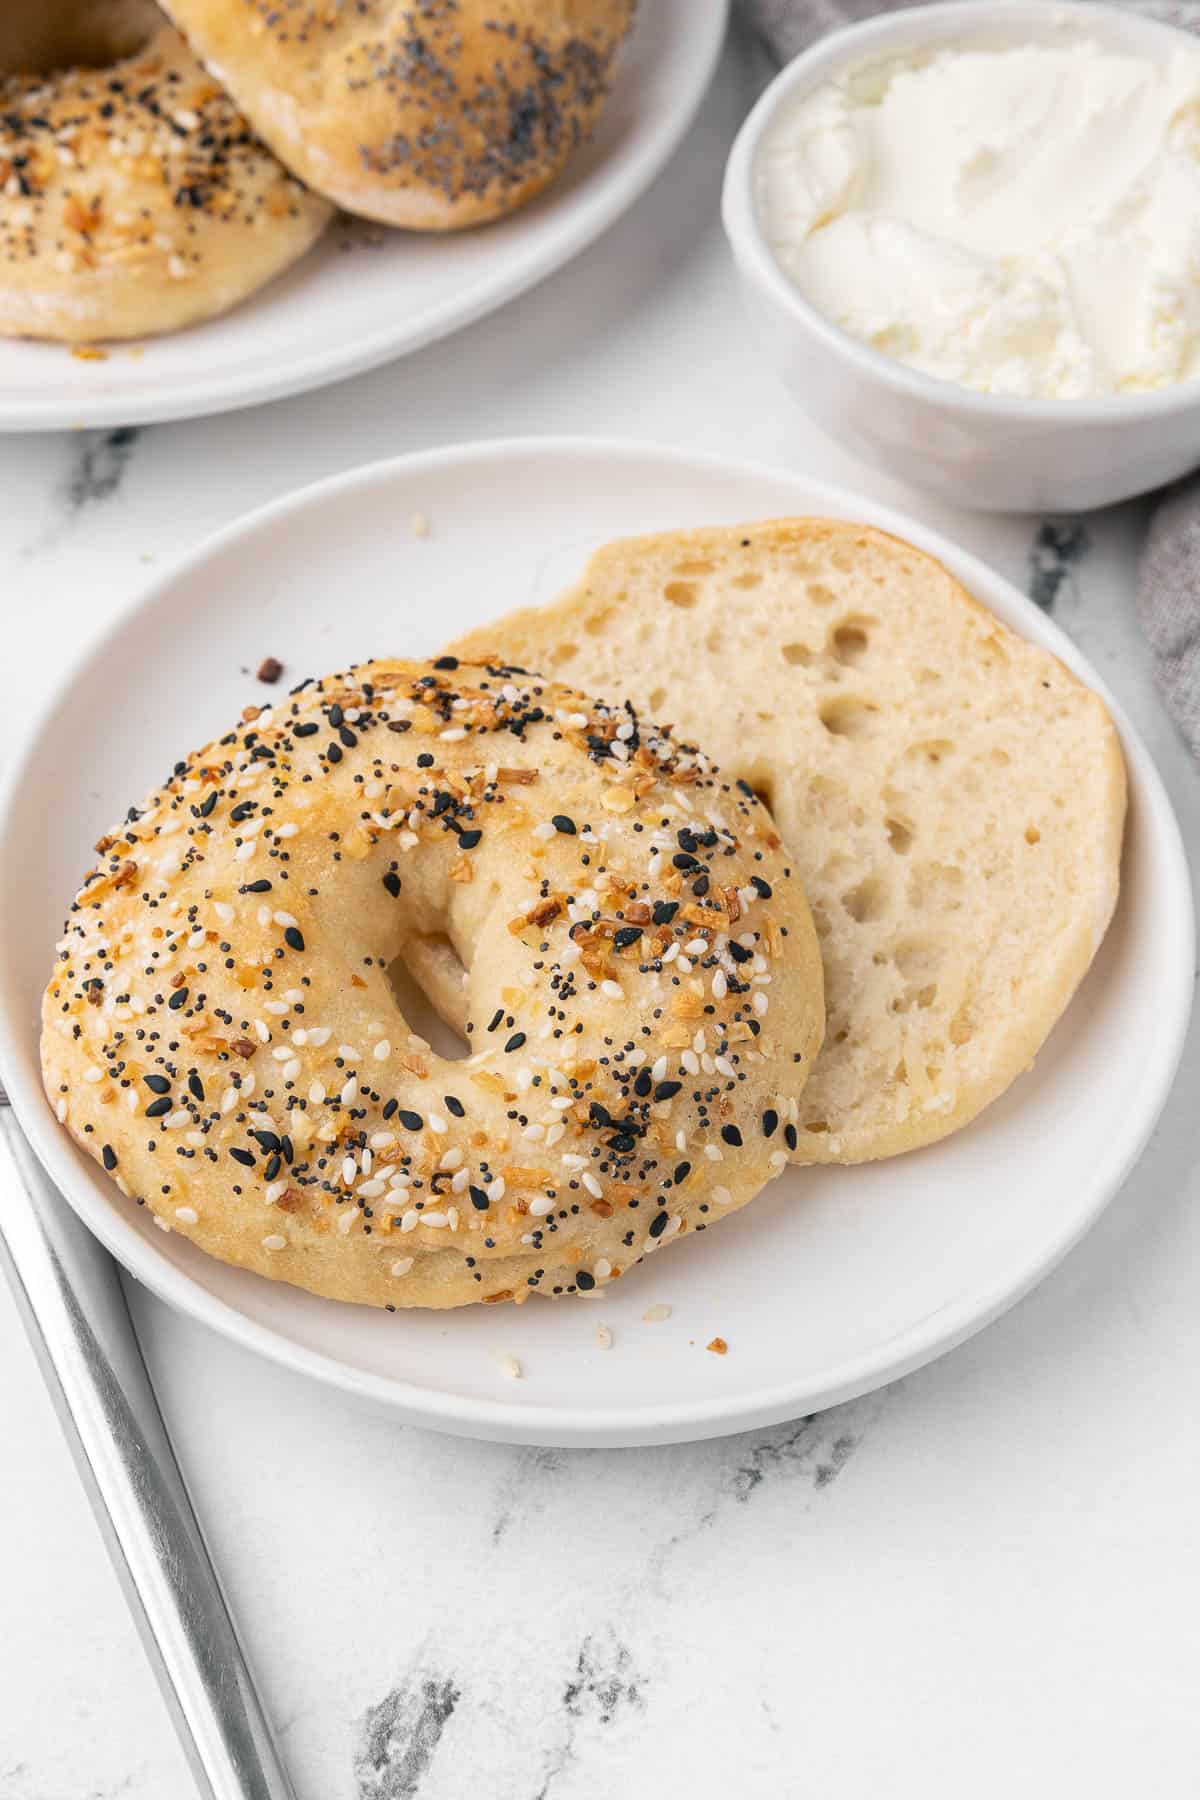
[630, 953]
[135, 197]
[434, 115]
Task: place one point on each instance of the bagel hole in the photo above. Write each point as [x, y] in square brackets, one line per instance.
[38, 41]
[419, 1003]
[761, 782]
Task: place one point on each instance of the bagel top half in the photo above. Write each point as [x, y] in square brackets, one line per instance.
[430, 114]
[639, 982]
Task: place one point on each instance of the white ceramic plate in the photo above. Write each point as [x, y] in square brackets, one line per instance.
[365, 295]
[835, 1280]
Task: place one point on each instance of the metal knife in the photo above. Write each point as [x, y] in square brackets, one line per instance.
[68, 1291]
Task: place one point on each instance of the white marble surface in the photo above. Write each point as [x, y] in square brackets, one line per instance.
[979, 1581]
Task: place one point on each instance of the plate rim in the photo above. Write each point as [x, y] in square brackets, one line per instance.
[261, 386]
[621, 1425]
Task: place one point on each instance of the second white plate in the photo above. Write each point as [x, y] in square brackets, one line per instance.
[832, 1282]
[365, 295]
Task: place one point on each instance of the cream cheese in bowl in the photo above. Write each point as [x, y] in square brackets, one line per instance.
[1023, 220]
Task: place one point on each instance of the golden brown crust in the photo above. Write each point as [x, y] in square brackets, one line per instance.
[134, 198]
[642, 991]
[430, 114]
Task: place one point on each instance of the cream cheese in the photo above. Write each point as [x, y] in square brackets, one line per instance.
[1025, 221]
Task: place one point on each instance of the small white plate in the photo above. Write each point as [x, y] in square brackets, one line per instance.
[835, 1280]
[365, 295]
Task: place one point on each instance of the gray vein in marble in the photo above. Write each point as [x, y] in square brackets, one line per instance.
[603, 1684]
[99, 468]
[531, 1465]
[803, 1448]
[1054, 558]
[399, 1737]
[811, 1452]
[99, 463]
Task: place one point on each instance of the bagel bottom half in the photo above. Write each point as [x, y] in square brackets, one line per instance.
[953, 795]
[637, 975]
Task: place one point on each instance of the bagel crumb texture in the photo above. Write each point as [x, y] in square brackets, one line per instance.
[135, 199]
[617, 933]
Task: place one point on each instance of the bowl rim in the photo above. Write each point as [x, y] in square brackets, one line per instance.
[842, 47]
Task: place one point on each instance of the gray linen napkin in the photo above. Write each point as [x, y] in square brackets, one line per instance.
[1168, 597]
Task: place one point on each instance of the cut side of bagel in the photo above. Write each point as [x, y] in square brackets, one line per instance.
[954, 797]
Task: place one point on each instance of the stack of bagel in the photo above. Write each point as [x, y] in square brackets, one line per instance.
[159, 166]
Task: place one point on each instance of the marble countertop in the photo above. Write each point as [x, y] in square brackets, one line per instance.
[978, 1581]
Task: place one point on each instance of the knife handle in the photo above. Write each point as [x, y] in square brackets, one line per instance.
[69, 1293]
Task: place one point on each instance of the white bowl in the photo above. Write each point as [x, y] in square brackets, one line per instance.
[979, 450]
